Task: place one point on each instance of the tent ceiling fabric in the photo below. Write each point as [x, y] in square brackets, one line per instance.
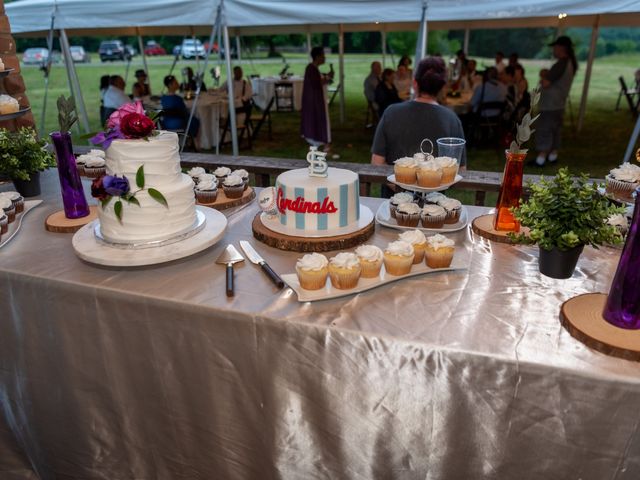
[246, 17]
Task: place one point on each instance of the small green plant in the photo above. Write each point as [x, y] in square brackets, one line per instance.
[22, 153]
[564, 212]
[67, 115]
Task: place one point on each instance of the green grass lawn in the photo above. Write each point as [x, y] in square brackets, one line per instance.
[595, 150]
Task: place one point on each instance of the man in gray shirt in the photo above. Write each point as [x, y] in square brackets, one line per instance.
[404, 125]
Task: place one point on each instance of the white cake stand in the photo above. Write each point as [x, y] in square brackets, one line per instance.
[92, 250]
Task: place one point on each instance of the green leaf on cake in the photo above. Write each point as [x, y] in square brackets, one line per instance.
[158, 197]
[140, 177]
[117, 207]
[133, 200]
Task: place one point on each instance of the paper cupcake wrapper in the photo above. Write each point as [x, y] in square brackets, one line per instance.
[429, 179]
[432, 221]
[311, 280]
[207, 196]
[398, 267]
[370, 269]
[234, 192]
[438, 258]
[407, 219]
[452, 216]
[344, 281]
[619, 187]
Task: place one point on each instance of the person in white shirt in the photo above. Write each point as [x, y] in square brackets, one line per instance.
[490, 91]
[115, 97]
[242, 91]
[500, 66]
[403, 82]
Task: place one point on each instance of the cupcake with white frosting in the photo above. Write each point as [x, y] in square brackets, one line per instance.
[81, 160]
[233, 186]
[370, 258]
[242, 173]
[620, 221]
[95, 166]
[397, 199]
[16, 199]
[221, 173]
[312, 271]
[4, 223]
[7, 207]
[449, 168]
[398, 258]
[195, 173]
[8, 105]
[207, 190]
[453, 208]
[205, 177]
[429, 174]
[433, 216]
[405, 170]
[419, 242]
[408, 215]
[434, 197]
[623, 181]
[439, 251]
[344, 270]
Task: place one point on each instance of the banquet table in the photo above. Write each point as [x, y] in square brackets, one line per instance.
[153, 373]
[211, 108]
[460, 105]
[264, 90]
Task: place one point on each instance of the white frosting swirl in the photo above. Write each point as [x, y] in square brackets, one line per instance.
[345, 260]
[233, 181]
[369, 253]
[13, 196]
[206, 177]
[241, 172]
[222, 171]
[312, 261]
[440, 241]
[626, 172]
[5, 203]
[405, 162]
[410, 208]
[435, 197]
[94, 152]
[450, 204]
[196, 172]
[207, 185]
[419, 157]
[399, 247]
[618, 220]
[402, 197]
[92, 162]
[443, 162]
[429, 165]
[414, 237]
[431, 210]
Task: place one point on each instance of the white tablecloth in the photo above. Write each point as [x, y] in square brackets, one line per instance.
[264, 90]
[210, 109]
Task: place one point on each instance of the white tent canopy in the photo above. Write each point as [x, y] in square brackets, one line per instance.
[246, 17]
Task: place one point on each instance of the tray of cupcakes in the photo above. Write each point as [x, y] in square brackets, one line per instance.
[13, 208]
[222, 188]
[425, 173]
[433, 212]
[368, 267]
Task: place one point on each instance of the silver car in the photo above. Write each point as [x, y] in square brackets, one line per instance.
[79, 55]
[191, 49]
[35, 56]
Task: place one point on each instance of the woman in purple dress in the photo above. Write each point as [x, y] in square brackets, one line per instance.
[315, 127]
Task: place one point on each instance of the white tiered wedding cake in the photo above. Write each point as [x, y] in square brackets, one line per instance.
[151, 220]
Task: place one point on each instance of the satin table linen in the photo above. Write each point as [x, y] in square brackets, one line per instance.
[153, 373]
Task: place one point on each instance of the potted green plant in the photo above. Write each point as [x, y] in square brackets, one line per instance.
[22, 157]
[563, 215]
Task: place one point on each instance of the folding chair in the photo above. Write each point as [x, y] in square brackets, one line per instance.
[334, 91]
[629, 94]
[284, 96]
[260, 119]
[242, 129]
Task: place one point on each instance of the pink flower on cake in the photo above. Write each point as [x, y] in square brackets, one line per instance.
[126, 109]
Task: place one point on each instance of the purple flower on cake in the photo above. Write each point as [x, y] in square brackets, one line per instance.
[105, 138]
[115, 186]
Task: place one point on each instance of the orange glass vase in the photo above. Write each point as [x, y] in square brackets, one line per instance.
[510, 193]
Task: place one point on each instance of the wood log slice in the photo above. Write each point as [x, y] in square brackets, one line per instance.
[58, 223]
[483, 226]
[310, 244]
[223, 202]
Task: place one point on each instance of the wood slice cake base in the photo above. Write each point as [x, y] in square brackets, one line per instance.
[58, 223]
[223, 202]
[483, 226]
[310, 244]
[582, 317]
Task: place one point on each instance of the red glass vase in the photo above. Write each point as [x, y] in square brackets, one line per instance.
[510, 193]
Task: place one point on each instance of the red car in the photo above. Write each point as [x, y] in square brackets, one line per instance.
[154, 48]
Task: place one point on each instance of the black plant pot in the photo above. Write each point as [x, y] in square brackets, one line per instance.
[558, 263]
[28, 188]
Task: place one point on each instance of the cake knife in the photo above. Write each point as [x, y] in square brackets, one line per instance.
[252, 255]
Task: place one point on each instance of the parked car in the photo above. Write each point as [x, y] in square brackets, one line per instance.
[79, 54]
[113, 50]
[154, 48]
[131, 50]
[192, 48]
[35, 56]
[176, 50]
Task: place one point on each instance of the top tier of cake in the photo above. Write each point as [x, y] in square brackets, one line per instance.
[316, 204]
[159, 155]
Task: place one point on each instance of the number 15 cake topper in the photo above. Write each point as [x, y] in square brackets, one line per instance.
[317, 163]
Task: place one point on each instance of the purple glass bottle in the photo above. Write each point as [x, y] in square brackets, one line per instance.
[75, 203]
[623, 303]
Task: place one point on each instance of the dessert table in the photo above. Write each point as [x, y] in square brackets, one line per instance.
[264, 90]
[154, 373]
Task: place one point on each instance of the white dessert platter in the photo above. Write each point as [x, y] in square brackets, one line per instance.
[460, 262]
[414, 187]
[11, 116]
[208, 229]
[383, 217]
[14, 227]
[272, 222]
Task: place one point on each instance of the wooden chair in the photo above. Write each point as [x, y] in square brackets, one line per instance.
[334, 92]
[284, 96]
[243, 130]
[260, 119]
[488, 127]
[629, 94]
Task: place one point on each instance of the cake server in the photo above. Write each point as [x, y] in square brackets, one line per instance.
[228, 257]
[255, 257]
